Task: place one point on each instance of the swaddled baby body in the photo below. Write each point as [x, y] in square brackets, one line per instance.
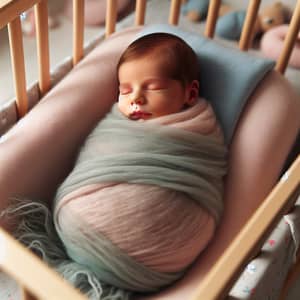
[148, 180]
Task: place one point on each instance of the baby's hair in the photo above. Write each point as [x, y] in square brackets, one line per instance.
[179, 59]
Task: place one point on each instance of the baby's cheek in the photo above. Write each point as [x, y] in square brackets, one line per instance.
[123, 106]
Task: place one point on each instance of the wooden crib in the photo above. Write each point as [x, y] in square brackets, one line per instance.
[40, 282]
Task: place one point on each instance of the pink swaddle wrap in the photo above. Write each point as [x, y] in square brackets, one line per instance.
[161, 228]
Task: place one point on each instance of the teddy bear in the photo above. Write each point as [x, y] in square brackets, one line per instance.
[230, 25]
[230, 22]
[272, 44]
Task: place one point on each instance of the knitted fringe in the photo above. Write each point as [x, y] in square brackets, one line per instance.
[35, 229]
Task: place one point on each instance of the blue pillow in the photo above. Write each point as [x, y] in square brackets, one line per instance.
[227, 76]
[230, 25]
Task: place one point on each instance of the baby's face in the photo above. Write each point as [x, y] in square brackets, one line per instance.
[146, 93]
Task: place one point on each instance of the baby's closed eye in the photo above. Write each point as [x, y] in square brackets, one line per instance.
[124, 90]
[155, 86]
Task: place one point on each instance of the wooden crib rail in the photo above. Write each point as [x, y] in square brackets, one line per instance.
[11, 9]
[32, 273]
[216, 284]
[40, 281]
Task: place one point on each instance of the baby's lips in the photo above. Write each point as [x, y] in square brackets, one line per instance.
[139, 115]
[134, 116]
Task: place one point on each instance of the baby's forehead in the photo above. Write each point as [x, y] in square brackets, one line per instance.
[146, 62]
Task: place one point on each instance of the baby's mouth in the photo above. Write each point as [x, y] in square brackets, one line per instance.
[139, 115]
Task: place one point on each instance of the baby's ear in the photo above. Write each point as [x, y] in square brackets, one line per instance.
[193, 92]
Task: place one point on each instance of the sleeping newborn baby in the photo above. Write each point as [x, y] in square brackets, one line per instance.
[145, 195]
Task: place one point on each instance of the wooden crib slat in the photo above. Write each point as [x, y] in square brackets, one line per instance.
[18, 65]
[248, 27]
[140, 10]
[10, 9]
[174, 12]
[111, 17]
[213, 10]
[41, 281]
[216, 284]
[78, 30]
[289, 41]
[42, 38]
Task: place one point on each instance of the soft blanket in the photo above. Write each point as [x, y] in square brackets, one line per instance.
[141, 203]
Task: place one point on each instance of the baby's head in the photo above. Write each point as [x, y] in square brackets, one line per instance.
[157, 76]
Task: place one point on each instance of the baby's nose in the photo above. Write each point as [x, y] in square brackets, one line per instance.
[138, 100]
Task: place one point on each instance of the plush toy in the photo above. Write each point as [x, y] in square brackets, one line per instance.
[229, 26]
[195, 10]
[274, 15]
[272, 42]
